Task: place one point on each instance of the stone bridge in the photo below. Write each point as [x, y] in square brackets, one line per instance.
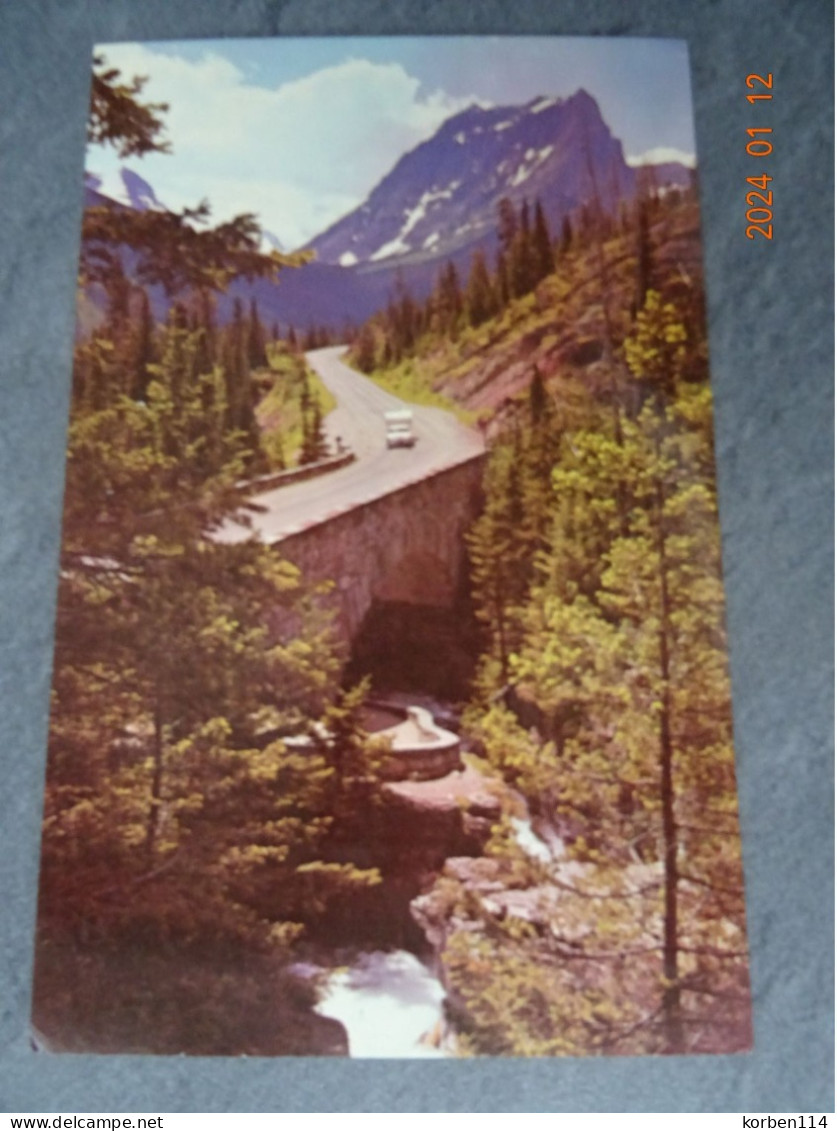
[406, 547]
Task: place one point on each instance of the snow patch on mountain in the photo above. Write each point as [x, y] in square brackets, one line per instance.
[347, 259]
[661, 155]
[543, 104]
[413, 216]
[461, 173]
[392, 247]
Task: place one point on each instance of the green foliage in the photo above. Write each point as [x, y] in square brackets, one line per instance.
[480, 296]
[205, 999]
[162, 644]
[604, 606]
[176, 250]
[177, 814]
[520, 1000]
[188, 811]
[505, 540]
[119, 118]
[656, 351]
[291, 410]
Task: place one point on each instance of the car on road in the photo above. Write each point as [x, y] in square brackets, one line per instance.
[399, 426]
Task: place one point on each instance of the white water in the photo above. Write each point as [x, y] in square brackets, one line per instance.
[390, 1005]
[547, 847]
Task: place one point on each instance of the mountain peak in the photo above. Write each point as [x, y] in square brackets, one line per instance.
[140, 193]
[441, 198]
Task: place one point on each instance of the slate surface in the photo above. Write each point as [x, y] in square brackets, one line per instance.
[771, 322]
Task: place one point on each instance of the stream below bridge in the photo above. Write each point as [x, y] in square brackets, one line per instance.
[391, 1003]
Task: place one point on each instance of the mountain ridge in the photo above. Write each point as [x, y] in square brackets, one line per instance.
[443, 194]
[439, 201]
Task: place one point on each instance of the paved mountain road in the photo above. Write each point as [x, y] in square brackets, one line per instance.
[441, 442]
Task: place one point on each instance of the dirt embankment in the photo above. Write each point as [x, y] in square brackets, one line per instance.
[572, 326]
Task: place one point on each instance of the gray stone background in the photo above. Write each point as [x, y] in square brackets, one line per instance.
[771, 334]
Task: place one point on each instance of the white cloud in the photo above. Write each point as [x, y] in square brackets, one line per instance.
[300, 155]
[662, 154]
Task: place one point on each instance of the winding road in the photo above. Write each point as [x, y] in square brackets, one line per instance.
[441, 442]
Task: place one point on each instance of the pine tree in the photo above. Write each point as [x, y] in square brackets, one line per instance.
[541, 245]
[643, 256]
[507, 226]
[363, 350]
[142, 348]
[603, 698]
[566, 235]
[256, 356]
[448, 303]
[176, 819]
[504, 290]
[521, 255]
[479, 293]
[500, 566]
[202, 322]
[241, 415]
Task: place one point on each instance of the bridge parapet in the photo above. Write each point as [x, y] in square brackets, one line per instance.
[406, 546]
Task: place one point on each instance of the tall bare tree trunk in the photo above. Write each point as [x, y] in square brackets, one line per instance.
[672, 1015]
[152, 826]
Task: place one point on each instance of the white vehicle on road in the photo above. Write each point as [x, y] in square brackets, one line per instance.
[399, 424]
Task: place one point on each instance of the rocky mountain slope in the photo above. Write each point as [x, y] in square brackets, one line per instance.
[443, 195]
[439, 202]
[560, 329]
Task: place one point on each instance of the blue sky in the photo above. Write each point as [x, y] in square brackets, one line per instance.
[300, 130]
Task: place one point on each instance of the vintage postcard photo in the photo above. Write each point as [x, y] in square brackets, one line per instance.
[390, 711]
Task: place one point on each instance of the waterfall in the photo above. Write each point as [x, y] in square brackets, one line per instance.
[545, 846]
[390, 1005]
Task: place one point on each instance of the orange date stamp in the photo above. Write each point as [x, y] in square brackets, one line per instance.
[759, 203]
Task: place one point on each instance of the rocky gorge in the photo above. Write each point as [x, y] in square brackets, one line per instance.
[378, 970]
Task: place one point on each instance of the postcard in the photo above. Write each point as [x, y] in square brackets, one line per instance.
[390, 710]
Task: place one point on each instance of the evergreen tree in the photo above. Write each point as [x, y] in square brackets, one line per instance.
[315, 447]
[364, 349]
[256, 356]
[504, 291]
[521, 256]
[448, 303]
[620, 651]
[499, 565]
[541, 245]
[479, 293]
[241, 414]
[566, 235]
[643, 256]
[507, 226]
[208, 342]
[142, 348]
[176, 821]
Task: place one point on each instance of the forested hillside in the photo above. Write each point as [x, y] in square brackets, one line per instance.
[602, 693]
[186, 847]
